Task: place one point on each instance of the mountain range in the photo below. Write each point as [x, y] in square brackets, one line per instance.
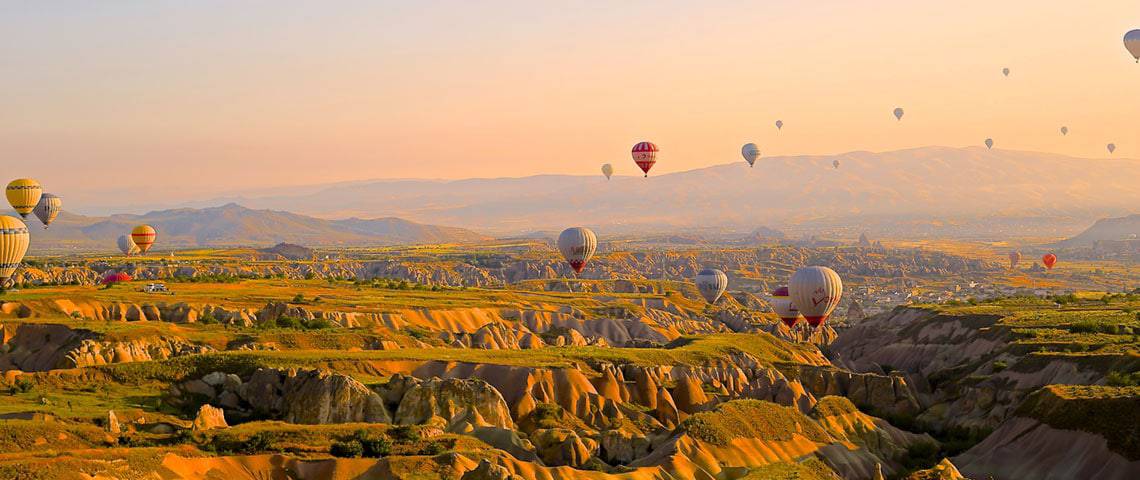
[1106, 229]
[925, 183]
[235, 225]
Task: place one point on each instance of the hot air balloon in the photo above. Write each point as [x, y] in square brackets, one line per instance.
[143, 236]
[645, 155]
[779, 124]
[127, 246]
[711, 283]
[898, 113]
[989, 143]
[1005, 71]
[48, 208]
[1064, 130]
[1049, 260]
[750, 152]
[784, 307]
[113, 277]
[816, 292]
[23, 194]
[835, 163]
[1132, 43]
[577, 245]
[1111, 147]
[608, 170]
[1014, 259]
[13, 246]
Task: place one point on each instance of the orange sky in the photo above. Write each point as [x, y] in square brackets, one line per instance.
[213, 97]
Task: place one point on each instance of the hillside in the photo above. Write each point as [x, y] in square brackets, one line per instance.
[234, 225]
[932, 181]
[1106, 229]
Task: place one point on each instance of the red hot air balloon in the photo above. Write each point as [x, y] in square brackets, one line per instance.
[112, 277]
[645, 155]
[1049, 260]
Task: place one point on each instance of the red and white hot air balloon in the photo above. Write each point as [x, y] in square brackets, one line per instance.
[577, 245]
[784, 307]
[816, 292]
[645, 155]
[1049, 260]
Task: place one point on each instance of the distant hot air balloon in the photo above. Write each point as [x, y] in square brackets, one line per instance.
[816, 292]
[898, 113]
[989, 143]
[1049, 260]
[1132, 43]
[835, 163]
[1005, 71]
[711, 283]
[13, 245]
[1014, 259]
[143, 236]
[127, 246]
[23, 194]
[750, 152]
[645, 155]
[48, 208]
[577, 245]
[779, 124]
[608, 170]
[1111, 147]
[1064, 130]
[784, 307]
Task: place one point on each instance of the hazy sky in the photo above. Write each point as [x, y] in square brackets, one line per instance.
[215, 96]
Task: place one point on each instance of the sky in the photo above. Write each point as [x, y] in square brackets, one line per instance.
[156, 102]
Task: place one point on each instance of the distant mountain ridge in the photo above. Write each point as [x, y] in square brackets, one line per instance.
[928, 182]
[1106, 229]
[235, 225]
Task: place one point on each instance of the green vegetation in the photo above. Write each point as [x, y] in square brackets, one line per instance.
[752, 419]
[1101, 410]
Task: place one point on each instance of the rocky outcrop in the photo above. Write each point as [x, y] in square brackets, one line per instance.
[460, 404]
[35, 347]
[886, 394]
[209, 418]
[489, 471]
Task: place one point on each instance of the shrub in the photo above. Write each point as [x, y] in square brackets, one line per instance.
[349, 449]
[433, 448]
[404, 434]
[298, 298]
[258, 442]
[374, 446]
[999, 366]
[286, 321]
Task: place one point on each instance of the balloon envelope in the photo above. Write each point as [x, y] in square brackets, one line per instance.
[608, 170]
[112, 277]
[48, 208]
[143, 236]
[645, 155]
[1064, 130]
[577, 245]
[127, 246]
[13, 245]
[1132, 43]
[24, 194]
[711, 283]
[750, 152]
[835, 163]
[1005, 71]
[1111, 147]
[899, 114]
[784, 308]
[779, 124]
[1049, 260]
[989, 143]
[1014, 259]
[816, 292]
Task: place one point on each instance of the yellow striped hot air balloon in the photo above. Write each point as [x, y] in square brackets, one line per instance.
[143, 236]
[24, 194]
[13, 246]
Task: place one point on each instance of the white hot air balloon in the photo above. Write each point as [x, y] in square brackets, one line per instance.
[48, 208]
[608, 170]
[899, 113]
[577, 245]
[750, 152]
[711, 283]
[784, 308]
[1111, 147]
[1132, 43]
[815, 291]
[1064, 130]
[989, 143]
[779, 124]
[127, 246]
